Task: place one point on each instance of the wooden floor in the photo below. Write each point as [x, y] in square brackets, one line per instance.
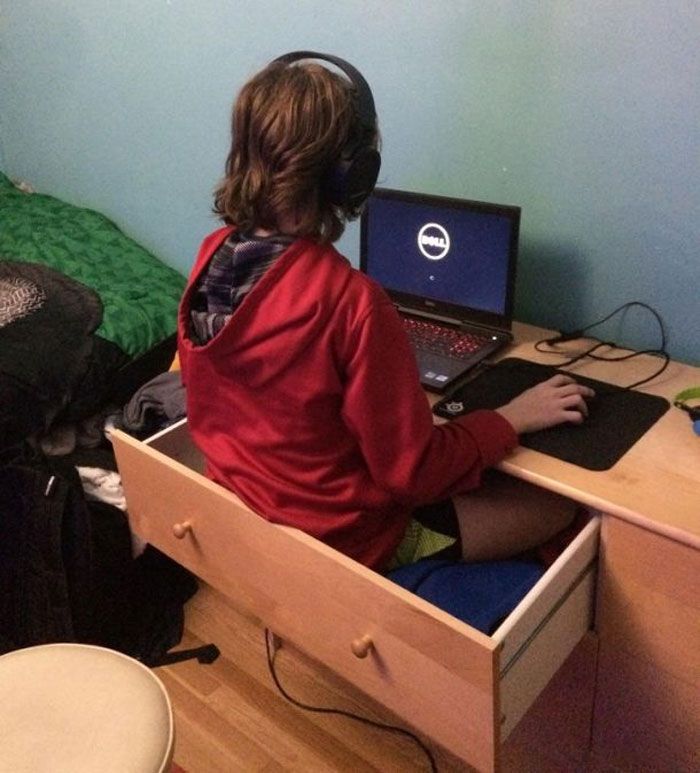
[230, 716]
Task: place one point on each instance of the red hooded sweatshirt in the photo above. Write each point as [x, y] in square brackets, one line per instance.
[308, 405]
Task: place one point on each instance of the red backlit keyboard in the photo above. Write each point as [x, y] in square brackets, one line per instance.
[442, 340]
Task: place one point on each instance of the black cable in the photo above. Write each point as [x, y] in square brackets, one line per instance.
[342, 712]
[573, 334]
[568, 336]
[576, 357]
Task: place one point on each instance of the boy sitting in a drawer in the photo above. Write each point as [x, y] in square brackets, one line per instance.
[303, 391]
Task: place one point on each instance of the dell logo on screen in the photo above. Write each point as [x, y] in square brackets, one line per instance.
[433, 241]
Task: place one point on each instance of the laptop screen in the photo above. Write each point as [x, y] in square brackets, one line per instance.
[442, 255]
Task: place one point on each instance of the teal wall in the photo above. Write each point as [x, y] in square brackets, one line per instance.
[584, 113]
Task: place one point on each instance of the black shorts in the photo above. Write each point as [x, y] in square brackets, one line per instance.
[442, 518]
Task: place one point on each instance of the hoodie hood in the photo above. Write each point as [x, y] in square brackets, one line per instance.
[291, 297]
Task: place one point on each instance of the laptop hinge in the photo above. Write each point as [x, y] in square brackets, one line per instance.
[451, 320]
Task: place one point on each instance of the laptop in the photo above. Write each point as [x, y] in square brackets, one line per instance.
[449, 266]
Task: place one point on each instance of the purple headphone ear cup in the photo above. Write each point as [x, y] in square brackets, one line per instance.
[351, 181]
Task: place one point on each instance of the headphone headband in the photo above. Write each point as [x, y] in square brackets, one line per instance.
[365, 99]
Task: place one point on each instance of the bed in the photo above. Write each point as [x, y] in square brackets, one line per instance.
[113, 331]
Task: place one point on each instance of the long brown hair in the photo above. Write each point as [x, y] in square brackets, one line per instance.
[290, 124]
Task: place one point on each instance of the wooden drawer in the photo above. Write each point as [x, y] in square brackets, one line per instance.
[449, 681]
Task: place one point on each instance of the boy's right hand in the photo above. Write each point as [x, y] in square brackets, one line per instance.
[555, 401]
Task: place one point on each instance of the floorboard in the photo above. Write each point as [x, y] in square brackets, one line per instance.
[230, 716]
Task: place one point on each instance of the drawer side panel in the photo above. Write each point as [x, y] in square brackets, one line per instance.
[531, 670]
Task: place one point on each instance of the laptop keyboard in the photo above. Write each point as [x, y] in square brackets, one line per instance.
[442, 340]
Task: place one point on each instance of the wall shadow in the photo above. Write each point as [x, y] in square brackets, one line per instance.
[551, 287]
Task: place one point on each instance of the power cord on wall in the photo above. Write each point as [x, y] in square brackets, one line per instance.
[590, 352]
[340, 712]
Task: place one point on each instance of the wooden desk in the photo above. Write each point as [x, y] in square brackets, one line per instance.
[647, 697]
[643, 709]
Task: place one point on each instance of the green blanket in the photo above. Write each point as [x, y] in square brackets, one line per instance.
[140, 293]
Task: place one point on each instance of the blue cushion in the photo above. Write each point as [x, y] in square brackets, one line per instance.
[481, 594]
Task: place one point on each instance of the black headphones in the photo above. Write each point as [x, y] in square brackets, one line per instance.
[353, 177]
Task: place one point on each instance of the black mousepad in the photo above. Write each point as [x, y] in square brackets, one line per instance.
[617, 417]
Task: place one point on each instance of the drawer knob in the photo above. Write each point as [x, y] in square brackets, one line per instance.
[181, 529]
[361, 647]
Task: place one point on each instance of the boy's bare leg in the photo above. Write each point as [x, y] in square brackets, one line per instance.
[507, 516]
